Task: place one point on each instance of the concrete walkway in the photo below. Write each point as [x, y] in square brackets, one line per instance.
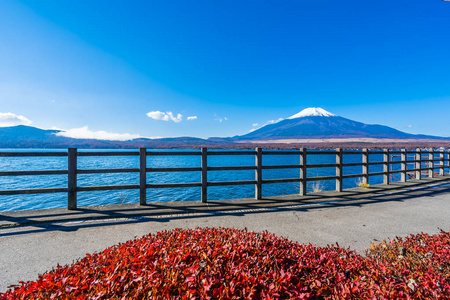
[33, 242]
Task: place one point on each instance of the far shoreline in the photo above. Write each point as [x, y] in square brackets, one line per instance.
[282, 144]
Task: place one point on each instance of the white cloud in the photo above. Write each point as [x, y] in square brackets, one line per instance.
[267, 123]
[273, 121]
[85, 133]
[10, 119]
[192, 118]
[216, 118]
[167, 116]
[410, 126]
[157, 115]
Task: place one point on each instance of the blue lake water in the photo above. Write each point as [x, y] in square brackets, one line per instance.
[59, 200]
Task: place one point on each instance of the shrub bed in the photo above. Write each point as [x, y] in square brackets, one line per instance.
[220, 263]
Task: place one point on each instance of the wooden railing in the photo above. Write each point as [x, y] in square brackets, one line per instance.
[433, 160]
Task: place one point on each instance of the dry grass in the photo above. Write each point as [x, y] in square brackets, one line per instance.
[362, 184]
[317, 187]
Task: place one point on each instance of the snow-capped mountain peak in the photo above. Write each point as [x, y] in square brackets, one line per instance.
[312, 112]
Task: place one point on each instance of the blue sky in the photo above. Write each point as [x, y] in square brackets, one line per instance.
[133, 67]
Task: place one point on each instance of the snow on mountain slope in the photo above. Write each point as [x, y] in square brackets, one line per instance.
[312, 112]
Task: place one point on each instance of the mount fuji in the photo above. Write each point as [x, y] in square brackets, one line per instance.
[315, 122]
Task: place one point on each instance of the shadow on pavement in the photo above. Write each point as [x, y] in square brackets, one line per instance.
[25, 222]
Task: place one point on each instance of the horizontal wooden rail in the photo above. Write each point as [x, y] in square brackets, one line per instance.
[31, 154]
[352, 176]
[231, 153]
[232, 168]
[32, 173]
[237, 182]
[278, 167]
[107, 187]
[399, 152]
[412, 170]
[319, 178]
[189, 169]
[312, 166]
[283, 180]
[33, 191]
[122, 153]
[278, 152]
[396, 171]
[351, 152]
[173, 185]
[425, 162]
[418, 169]
[377, 173]
[352, 164]
[105, 171]
[321, 152]
[172, 153]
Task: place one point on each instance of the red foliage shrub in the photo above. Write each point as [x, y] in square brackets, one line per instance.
[219, 263]
[418, 265]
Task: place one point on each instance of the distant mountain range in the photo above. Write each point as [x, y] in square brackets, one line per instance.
[31, 137]
[310, 123]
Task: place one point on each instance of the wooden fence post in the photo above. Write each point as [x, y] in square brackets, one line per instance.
[72, 178]
[418, 164]
[365, 166]
[338, 170]
[204, 196]
[403, 166]
[258, 173]
[386, 166]
[448, 157]
[441, 162]
[142, 176]
[431, 163]
[303, 171]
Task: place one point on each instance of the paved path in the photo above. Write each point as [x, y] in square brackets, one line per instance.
[354, 218]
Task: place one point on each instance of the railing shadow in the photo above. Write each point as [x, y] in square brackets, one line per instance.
[66, 221]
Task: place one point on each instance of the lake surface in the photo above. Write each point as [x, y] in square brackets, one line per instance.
[59, 200]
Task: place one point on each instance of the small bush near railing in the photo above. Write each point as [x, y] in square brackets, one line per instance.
[317, 187]
[219, 263]
[362, 184]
